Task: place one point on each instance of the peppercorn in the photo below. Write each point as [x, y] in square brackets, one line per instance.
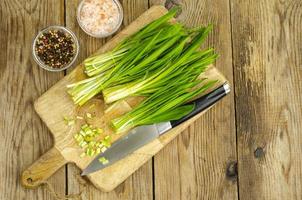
[55, 48]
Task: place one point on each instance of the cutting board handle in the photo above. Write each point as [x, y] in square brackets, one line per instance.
[43, 168]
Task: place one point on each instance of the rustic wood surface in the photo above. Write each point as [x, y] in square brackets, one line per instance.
[194, 165]
[24, 138]
[66, 150]
[267, 41]
[260, 46]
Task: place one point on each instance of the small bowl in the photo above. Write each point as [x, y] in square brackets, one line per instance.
[41, 63]
[121, 17]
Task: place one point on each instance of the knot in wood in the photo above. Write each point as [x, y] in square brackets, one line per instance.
[259, 152]
[232, 172]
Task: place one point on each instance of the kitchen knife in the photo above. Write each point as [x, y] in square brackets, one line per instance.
[142, 135]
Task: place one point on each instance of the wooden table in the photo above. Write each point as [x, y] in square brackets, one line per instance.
[249, 146]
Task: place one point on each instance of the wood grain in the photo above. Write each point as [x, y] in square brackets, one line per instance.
[267, 40]
[267, 80]
[23, 135]
[43, 168]
[194, 166]
[139, 185]
[59, 102]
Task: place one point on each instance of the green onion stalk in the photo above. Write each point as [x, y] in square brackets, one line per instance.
[168, 73]
[166, 104]
[145, 62]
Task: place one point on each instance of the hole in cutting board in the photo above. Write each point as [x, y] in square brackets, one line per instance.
[29, 180]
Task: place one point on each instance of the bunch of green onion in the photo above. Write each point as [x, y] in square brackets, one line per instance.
[159, 46]
[164, 105]
[180, 60]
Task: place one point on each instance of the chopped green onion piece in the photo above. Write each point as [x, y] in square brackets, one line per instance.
[83, 143]
[95, 132]
[82, 133]
[88, 115]
[82, 155]
[78, 137]
[106, 143]
[90, 151]
[91, 106]
[84, 126]
[103, 149]
[71, 122]
[68, 121]
[88, 138]
[99, 131]
[89, 131]
[92, 143]
[103, 160]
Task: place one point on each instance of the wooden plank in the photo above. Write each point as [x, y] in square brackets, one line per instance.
[23, 135]
[139, 185]
[195, 165]
[267, 39]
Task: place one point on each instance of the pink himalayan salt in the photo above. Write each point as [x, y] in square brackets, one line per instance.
[99, 17]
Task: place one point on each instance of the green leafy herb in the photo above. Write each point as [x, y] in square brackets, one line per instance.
[164, 105]
[174, 71]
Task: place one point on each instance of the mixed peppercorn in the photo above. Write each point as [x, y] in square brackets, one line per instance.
[55, 48]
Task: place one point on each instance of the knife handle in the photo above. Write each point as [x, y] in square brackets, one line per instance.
[204, 102]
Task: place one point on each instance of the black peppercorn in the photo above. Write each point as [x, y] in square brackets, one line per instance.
[55, 48]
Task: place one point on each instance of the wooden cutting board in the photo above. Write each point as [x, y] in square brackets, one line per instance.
[56, 103]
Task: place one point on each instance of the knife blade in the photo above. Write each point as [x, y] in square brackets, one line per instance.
[142, 135]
